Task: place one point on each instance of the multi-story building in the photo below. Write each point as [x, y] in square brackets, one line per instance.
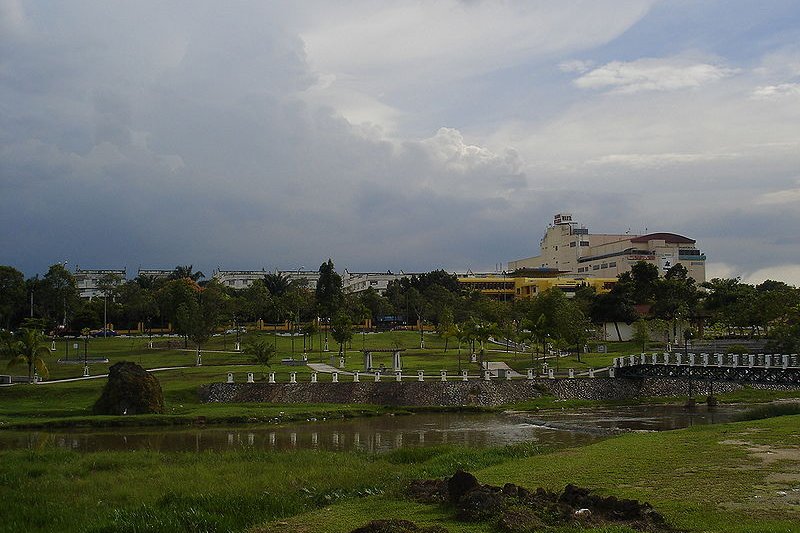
[155, 273]
[355, 282]
[90, 282]
[575, 252]
[507, 287]
[241, 279]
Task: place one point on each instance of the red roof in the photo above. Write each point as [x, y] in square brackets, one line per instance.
[667, 237]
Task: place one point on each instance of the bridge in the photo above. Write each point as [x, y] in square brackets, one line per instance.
[781, 369]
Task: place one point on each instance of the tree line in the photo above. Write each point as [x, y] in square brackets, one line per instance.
[669, 307]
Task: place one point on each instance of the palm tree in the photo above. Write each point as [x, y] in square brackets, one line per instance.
[277, 283]
[186, 271]
[30, 348]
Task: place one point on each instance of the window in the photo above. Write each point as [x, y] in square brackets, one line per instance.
[595, 267]
[612, 264]
[604, 265]
[573, 244]
[584, 243]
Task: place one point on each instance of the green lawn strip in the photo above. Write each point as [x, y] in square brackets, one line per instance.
[697, 482]
[210, 491]
[700, 479]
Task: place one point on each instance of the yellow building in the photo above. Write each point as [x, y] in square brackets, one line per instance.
[506, 287]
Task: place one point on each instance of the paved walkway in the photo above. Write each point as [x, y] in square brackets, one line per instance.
[327, 369]
[494, 366]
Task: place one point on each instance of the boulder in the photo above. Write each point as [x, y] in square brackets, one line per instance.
[460, 484]
[130, 391]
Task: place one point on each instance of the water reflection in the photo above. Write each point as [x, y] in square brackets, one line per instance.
[377, 434]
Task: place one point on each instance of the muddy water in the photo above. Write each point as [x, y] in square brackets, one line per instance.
[376, 434]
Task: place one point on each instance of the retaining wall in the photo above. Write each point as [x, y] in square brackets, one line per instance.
[454, 393]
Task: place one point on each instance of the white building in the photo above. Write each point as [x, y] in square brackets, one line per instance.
[355, 282]
[575, 252]
[241, 279]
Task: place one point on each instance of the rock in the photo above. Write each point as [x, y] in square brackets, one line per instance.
[130, 391]
[461, 483]
[429, 490]
[397, 526]
[480, 503]
[520, 520]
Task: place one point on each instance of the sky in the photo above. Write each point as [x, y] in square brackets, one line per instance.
[395, 135]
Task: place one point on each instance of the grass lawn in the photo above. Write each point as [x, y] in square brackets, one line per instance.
[708, 478]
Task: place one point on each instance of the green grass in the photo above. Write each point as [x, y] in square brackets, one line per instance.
[703, 479]
[771, 410]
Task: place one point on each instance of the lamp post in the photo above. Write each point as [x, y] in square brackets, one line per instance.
[238, 333]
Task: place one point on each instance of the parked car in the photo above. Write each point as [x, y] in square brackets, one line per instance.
[104, 333]
[232, 331]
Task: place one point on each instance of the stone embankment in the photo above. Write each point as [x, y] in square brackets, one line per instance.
[473, 393]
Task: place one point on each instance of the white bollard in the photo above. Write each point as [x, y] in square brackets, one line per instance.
[292, 377]
[230, 377]
[691, 359]
[250, 378]
[420, 375]
[768, 361]
[678, 359]
[464, 376]
[666, 358]
[785, 362]
[271, 377]
[377, 377]
[705, 359]
[591, 372]
[611, 373]
[550, 373]
[751, 360]
[735, 358]
[487, 375]
[508, 375]
[335, 377]
[443, 375]
[86, 371]
[355, 377]
[571, 373]
[530, 373]
[398, 375]
[632, 360]
[313, 377]
[643, 359]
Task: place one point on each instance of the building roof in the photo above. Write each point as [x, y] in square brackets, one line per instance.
[666, 237]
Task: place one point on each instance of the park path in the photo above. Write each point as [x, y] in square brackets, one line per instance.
[327, 369]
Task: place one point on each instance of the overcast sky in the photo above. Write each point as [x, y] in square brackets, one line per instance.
[395, 135]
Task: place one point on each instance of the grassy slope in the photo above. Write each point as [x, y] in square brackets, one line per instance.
[702, 479]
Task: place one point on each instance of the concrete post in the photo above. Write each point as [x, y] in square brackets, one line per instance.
[691, 359]
[705, 359]
[751, 359]
[398, 375]
[487, 375]
[643, 359]
[530, 373]
[768, 360]
[355, 377]
[443, 375]
[367, 361]
[292, 377]
[611, 373]
[464, 376]
[335, 377]
[313, 377]
[86, 371]
[785, 362]
[420, 375]
[397, 364]
[655, 358]
[735, 358]
[678, 359]
[571, 372]
[508, 375]
[591, 372]
[377, 377]
[271, 378]
[341, 362]
[230, 377]
[666, 358]
[250, 378]
[550, 373]
[632, 360]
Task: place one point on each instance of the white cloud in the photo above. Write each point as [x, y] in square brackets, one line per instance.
[642, 161]
[787, 273]
[766, 92]
[575, 65]
[787, 196]
[652, 74]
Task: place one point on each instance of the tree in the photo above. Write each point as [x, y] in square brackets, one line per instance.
[445, 326]
[261, 351]
[277, 283]
[29, 347]
[330, 296]
[58, 294]
[12, 296]
[641, 333]
[186, 272]
[342, 329]
[198, 317]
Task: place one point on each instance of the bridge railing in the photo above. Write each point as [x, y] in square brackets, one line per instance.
[716, 359]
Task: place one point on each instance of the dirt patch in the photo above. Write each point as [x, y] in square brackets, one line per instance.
[516, 509]
[767, 454]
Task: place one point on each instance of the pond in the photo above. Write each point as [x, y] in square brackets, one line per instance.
[377, 434]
